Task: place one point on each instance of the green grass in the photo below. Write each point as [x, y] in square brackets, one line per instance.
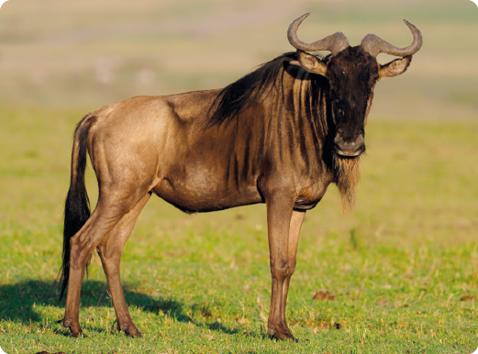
[398, 266]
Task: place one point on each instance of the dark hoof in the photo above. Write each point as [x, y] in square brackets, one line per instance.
[282, 335]
[74, 328]
[136, 334]
[78, 334]
[130, 330]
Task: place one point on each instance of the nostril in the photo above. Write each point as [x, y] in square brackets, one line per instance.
[339, 143]
[360, 140]
[349, 147]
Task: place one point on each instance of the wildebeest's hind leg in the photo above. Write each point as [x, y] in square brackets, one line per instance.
[110, 251]
[109, 211]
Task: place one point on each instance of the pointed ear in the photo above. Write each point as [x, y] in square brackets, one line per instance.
[396, 67]
[310, 63]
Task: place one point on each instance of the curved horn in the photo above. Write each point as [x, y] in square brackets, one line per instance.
[334, 43]
[375, 45]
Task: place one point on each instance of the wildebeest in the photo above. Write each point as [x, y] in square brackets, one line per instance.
[279, 135]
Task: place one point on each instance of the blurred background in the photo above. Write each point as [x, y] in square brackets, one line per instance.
[85, 54]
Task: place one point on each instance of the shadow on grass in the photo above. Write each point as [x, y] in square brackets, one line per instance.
[18, 301]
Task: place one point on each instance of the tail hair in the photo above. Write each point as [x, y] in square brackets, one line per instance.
[77, 204]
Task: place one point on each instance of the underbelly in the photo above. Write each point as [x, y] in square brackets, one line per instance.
[196, 193]
[192, 200]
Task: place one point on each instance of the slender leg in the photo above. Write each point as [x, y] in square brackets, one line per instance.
[279, 213]
[107, 214]
[110, 250]
[294, 231]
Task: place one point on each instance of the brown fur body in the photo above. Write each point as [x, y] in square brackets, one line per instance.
[278, 136]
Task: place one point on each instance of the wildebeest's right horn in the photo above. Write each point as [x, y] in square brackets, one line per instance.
[375, 45]
[334, 43]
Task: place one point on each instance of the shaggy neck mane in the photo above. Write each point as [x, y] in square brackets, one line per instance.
[257, 86]
[252, 88]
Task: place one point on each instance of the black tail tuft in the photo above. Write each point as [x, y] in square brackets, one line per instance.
[77, 204]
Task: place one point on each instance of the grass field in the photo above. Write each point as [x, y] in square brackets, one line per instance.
[397, 275]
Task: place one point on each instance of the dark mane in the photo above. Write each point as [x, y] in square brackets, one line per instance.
[240, 95]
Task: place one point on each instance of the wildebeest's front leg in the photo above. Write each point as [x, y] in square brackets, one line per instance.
[294, 231]
[279, 214]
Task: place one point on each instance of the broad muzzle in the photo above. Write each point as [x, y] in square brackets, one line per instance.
[349, 147]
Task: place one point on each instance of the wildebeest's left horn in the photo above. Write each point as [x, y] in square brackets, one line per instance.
[375, 45]
[334, 43]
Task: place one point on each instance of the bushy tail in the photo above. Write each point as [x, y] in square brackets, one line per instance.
[77, 204]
